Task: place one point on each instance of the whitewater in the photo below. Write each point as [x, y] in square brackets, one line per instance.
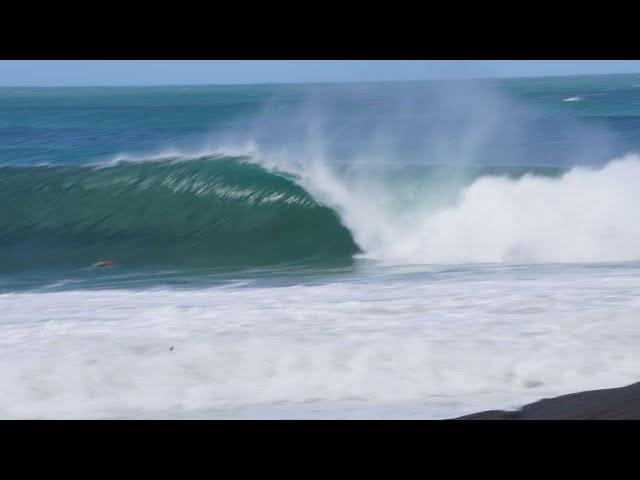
[465, 308]
[583, 215]
[387, 259]
[423, 343]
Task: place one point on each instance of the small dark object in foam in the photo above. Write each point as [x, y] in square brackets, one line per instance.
[171, 349]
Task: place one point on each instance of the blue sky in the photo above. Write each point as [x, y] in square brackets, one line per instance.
[181, 72]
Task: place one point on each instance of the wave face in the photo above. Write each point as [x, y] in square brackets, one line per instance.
[204, 211]
[231, 211]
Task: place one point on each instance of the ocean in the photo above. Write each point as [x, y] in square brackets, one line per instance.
[373, 250]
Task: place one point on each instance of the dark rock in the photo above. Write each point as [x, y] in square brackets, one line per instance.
[609, 404]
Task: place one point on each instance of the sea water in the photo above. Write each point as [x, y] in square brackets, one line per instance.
[392, 250]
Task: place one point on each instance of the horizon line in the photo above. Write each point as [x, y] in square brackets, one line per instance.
[330, 82]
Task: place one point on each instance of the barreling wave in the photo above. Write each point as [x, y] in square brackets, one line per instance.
[205, 212]
[213, 210]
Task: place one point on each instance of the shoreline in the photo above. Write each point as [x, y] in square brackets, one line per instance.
[622, 403]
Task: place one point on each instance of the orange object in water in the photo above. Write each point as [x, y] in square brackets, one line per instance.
[107, 262]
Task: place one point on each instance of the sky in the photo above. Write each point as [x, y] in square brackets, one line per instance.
[40, 73]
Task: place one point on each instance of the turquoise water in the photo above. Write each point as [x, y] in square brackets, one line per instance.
[149, 176]
[391, 250]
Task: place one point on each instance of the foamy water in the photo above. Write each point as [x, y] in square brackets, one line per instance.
[586, 215]
[526, 308]
[423, 343]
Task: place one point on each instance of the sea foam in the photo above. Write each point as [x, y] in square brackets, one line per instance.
[585, 215]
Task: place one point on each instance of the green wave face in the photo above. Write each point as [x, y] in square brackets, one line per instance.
[205, 212]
